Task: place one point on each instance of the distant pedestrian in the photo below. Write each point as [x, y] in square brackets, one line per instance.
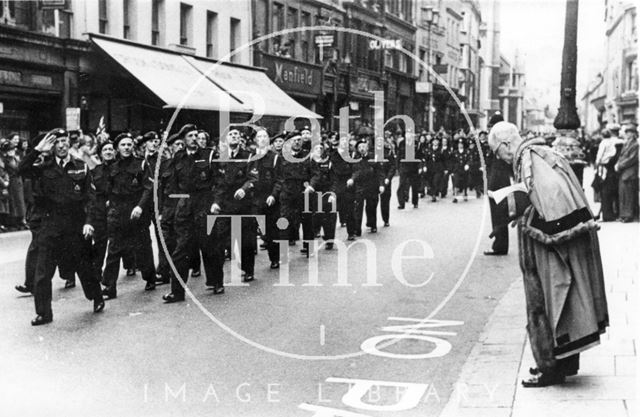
[627, 170]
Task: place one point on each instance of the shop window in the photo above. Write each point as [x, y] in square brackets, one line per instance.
[234, 38]
[212, 34]
[186, 24]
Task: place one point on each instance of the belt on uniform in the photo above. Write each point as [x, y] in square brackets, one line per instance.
[564, 223]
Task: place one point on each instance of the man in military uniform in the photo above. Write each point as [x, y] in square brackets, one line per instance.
[368, 181]
[266, 192]
[342, 171]
[388, 171]
[67, 196]
[409, 175]
[128, 217]
[233, 195]
[192, 173]
[100, 174]
[292, 179]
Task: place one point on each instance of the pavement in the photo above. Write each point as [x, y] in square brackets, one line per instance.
[489, 382]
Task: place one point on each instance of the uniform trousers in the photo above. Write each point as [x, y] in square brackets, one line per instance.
[192, 238]
[365, 201]
[58, 245]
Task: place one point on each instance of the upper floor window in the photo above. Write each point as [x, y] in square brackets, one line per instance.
[103, 25]
[234, 38]
[212, 34]
[186, 24]
[156, 17]
[126, 19]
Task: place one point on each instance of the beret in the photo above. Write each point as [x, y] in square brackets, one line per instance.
[120, 137]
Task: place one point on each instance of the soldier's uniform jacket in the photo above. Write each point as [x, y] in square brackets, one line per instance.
[293, 175]
[193, 173]
[100, 175]
[447, 158]
[128, 186]
[459, 160]
[321, 174]
[166, 185]
[408, 167]
[67, 194]
[388, 168]
[267, 184]
[367, 176]
[342, 170]
[233, 176]
[435, 161]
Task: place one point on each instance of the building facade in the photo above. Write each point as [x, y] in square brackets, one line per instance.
[512, 87]
[489, 61]
[470, 58]
[621, 71]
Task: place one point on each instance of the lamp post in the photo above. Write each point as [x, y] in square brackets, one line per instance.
[567, 118]
[431, 18]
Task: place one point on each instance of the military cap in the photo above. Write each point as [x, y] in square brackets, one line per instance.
[125, 135]
[189, 127]
[151, 135]
[172, 138]
[497, 117]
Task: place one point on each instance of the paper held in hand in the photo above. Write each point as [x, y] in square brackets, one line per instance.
[502, 193]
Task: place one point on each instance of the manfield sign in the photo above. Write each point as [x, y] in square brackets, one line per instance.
[293, 76]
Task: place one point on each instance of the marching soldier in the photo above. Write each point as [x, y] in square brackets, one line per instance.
[446, 154]
[435, 166]
[233, 195]
[388, 171]
[342, 171]
[321, 201]
[409, 175]
[266, 192]
[292, 185]
[67, 196]
[192, 173]
[100, 174]
[460, 168]
[128, 217]
[368, 181]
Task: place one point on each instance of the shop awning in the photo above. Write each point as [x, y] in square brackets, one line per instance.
[183, 81]
[253, 88]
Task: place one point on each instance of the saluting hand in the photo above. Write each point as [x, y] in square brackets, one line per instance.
[271, 201]
[215, 209]
[350, 182]
[46, 144]
[136, 213]
[87, 231]
[331, 199]
[239, 195]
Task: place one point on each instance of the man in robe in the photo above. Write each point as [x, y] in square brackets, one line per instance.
[559, 257]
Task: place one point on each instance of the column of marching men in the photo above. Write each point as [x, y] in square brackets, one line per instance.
[93, 210]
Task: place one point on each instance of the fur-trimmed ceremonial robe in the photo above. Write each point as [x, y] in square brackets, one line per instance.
[559, 257]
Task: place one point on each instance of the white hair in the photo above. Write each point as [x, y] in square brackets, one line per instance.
[503, 132]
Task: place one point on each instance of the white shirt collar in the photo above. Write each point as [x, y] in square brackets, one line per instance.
[66, 160]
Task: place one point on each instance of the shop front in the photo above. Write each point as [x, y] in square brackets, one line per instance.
[38, 81]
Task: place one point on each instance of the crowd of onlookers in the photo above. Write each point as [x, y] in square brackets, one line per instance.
[14, 192]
